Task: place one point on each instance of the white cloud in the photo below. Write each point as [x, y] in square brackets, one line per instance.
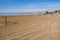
[18, 10]
[33, 8]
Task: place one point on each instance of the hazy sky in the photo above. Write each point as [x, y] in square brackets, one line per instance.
[17, 6]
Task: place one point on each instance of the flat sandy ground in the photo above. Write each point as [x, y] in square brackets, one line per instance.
[30, 28]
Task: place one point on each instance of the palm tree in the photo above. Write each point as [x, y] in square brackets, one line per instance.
[47, 12]
[56, 11]
[59, 11]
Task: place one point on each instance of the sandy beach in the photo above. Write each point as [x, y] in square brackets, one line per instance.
[30, 28]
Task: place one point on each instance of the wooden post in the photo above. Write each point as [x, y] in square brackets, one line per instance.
[5, 20]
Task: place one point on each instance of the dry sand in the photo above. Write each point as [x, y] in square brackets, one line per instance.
[30, 28]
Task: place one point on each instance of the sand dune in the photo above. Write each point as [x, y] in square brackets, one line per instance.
[30, 28]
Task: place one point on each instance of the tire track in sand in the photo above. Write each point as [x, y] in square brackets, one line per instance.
[38, 31]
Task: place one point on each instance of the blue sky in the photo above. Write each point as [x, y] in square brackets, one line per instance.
[17, 6]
